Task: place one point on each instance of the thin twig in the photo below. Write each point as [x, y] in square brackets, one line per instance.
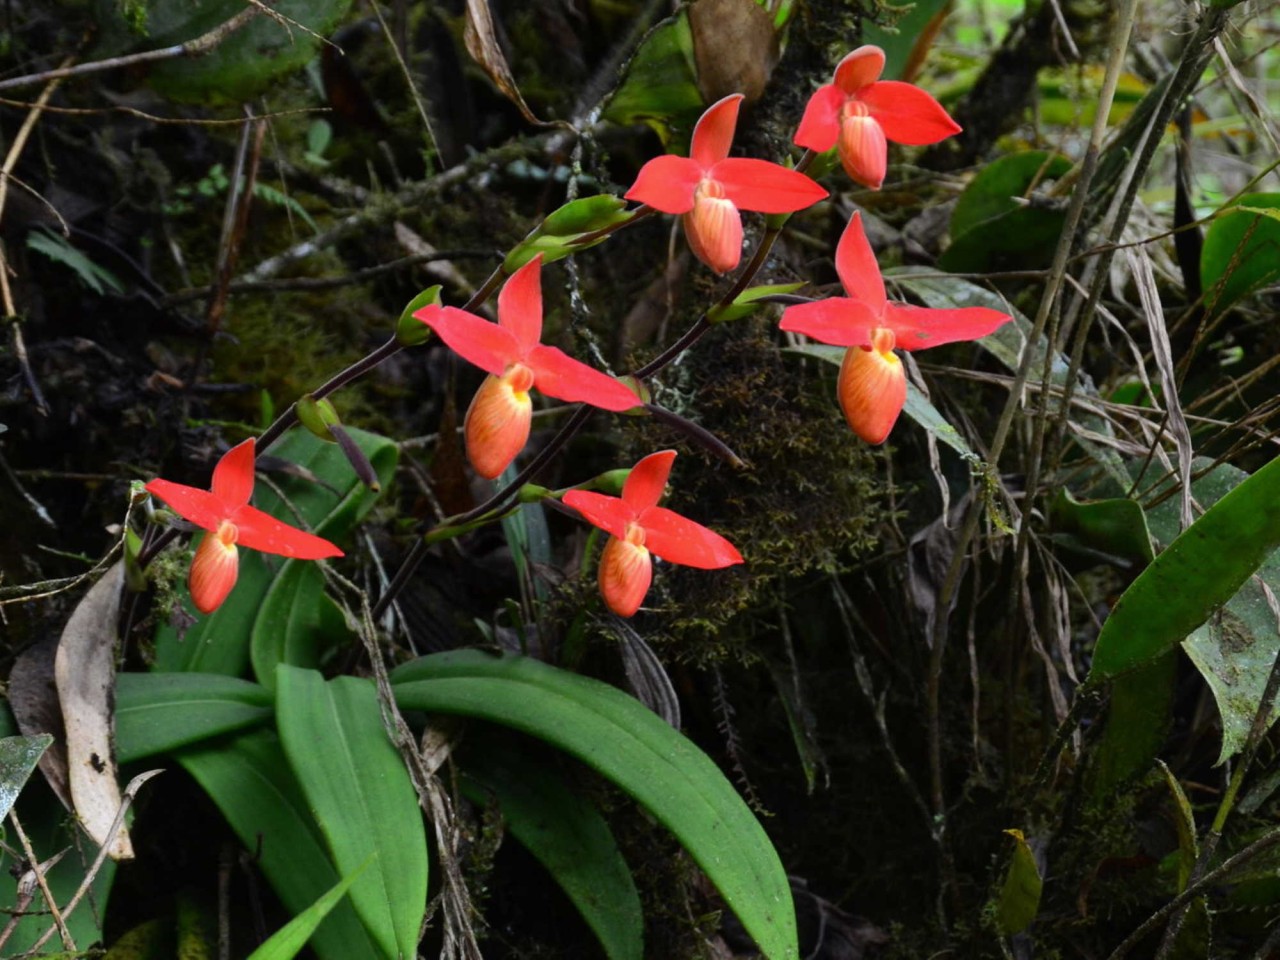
[192, 48]
[59, 922]
[1229, 866]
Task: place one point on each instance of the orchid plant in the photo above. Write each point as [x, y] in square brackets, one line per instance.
[856, 114]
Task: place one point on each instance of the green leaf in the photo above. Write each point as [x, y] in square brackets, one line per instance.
[297, 623]
[220, 642]
[250, 781]
[162, 712]
[627, 743]
[661, 86]
[247, 61]
[1241, 250]
[18, 758]
[56, 248]
[1199, 572]
[1138, 717]
[286, 942]
[990, 229]
[1117, 527]
[563, 830]
[356, 783]
[1020, 893]
[898, 41]
[1235, 649]
[918, 407]
[1188, 848]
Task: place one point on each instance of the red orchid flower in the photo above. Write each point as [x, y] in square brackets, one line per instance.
[497, 424]
[709, 187]
[873, 385]
[638, 527]
[225, 512]
[859, 112]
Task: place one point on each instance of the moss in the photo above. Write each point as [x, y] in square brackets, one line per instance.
[807, 503]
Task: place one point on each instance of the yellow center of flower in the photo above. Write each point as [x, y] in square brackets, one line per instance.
[708, 190]
[634, 535]
[882, 342]
[852, 109]
[227, 533]
[520, 379]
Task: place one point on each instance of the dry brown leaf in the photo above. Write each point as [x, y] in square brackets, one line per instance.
[481, 39]
[735, 47]
[84, 671]
[34, 701]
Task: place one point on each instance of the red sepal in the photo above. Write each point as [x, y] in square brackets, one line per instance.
[713, 136]
[233, 475]
[919, 328]
[856, 264]
[557, 374]
[837, 320]
[681, 540]
[520, 306]
[820, 126]
[261, 531]
[487, 345]
[765, 187]
[608, 513]
[647, 480]
[907, 114]
[667, 184]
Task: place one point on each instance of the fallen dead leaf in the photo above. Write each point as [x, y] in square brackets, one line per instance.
[84, 672]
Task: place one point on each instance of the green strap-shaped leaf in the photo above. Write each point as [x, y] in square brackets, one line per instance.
[161, 712]
[250, 781]
[1199, 572]
[564, 831]
[297, 623]
[220, 642]
[1241, 250]
[357, 785]
[285, 943]
[630, 745]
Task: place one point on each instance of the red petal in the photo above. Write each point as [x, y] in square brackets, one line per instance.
[261, 531]
[856, 264]
[859, 69]
[487, 345]
[610, 514]
[919, 328]
[667, 184]
[872, 389]
[201, 507]
[714, 231]
[864, 154]
[647, 480]
[233, 476]
[713, 136]
[681, 540]
[498, 421]
[820, 125]
[765, 187]
[836, 320]
[520, 306]
[214, 569]
[558, 375]
[626, 571]
[908, 114]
